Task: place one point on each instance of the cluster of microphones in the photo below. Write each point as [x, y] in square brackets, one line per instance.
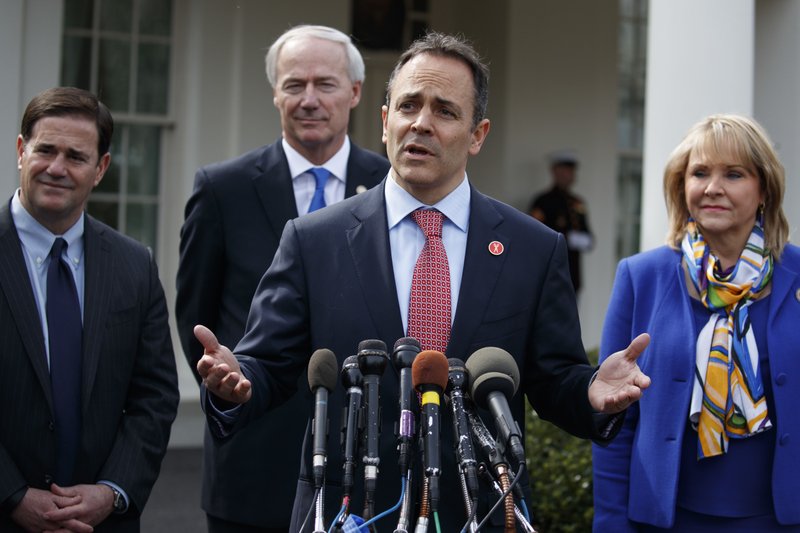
[428, 381]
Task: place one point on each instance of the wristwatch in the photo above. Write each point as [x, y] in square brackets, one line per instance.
[120, 505]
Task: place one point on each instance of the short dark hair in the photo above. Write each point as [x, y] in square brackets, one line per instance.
[65, 101]
[456, 47]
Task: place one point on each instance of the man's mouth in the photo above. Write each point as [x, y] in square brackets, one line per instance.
[417, 149]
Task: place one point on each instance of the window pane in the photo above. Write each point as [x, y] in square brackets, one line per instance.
[115, 15]
[140, 223]
[113, 77]
[144, 160]
[379, 24]
[104, 211]
[152, 78]
[155, 17]
[78, 14]
[76, 62]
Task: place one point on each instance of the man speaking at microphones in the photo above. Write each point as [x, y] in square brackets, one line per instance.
[423, 254]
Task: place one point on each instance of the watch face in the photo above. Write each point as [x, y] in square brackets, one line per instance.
[119, 501]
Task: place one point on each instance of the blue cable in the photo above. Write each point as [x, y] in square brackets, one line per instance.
[336, 519]
[388, 511]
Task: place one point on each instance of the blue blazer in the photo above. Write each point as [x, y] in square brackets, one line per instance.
[636, 476]
[331, 285]
[233, 223]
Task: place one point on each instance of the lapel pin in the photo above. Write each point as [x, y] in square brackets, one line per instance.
[360, 189]
[496, 248]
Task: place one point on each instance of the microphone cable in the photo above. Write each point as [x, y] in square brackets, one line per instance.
[339, 519]
[390, 510]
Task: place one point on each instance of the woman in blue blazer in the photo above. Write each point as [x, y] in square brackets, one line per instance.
[714, 444]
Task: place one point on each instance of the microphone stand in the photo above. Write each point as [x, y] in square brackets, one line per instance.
[469, 504]
[319, 519]
[518, 514]
[372, 359]
[499, 463]
[405, 351]
[424, 511]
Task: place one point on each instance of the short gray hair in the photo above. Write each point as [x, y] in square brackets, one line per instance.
[355, 63]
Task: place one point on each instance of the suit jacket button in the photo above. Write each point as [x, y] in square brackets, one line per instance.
[51, 426]
[784, 440]
[48, 479]
[780, 379]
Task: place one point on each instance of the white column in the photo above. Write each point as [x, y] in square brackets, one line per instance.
[699, 61]
[30, 59]
[777, 92]
[10, 61]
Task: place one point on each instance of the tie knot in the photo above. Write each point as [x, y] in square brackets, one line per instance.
[430, 222]
[59, 245]
[321, 175]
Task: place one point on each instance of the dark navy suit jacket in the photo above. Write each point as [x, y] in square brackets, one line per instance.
[233, 223]
[331, 285]
[129, 385]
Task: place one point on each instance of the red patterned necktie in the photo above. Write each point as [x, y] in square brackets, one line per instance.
[429, 308]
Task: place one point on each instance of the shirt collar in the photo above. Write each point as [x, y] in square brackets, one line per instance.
[38, 240]
[454, 206]
[336, 165]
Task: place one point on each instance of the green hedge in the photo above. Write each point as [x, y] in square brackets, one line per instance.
[560, 467]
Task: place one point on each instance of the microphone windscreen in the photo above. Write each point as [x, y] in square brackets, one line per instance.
[323, 370]
[407, 341]
[492, 369]
[372, 345]
[454, 363]
[429, 368]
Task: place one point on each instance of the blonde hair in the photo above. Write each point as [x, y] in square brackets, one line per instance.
[747, 141]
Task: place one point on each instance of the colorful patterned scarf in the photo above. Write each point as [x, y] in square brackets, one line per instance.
[728, 398]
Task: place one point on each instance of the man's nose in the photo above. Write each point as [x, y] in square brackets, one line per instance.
[423, 122]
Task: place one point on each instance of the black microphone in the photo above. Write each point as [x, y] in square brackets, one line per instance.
[495, 378]
[457, 380]
[322, 370]
[352, 381]
[372, 359]
[403, 355]
[429, 375]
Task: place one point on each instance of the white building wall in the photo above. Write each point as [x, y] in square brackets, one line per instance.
[777, 92]
[561, 92]
[30, 58]
[700, 60]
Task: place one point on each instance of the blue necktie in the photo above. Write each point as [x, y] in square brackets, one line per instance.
[318, 201]
[65, 329]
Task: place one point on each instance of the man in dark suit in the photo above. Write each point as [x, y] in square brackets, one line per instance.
[87, 408]
[234, 220]
[348, 273]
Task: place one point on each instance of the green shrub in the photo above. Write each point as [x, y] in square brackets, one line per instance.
[560, 467]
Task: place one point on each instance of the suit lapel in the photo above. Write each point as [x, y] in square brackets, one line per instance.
[357, 170]
[15, 284]
[371, 253]
[273, 184]
[98, 281]
[481, 272]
